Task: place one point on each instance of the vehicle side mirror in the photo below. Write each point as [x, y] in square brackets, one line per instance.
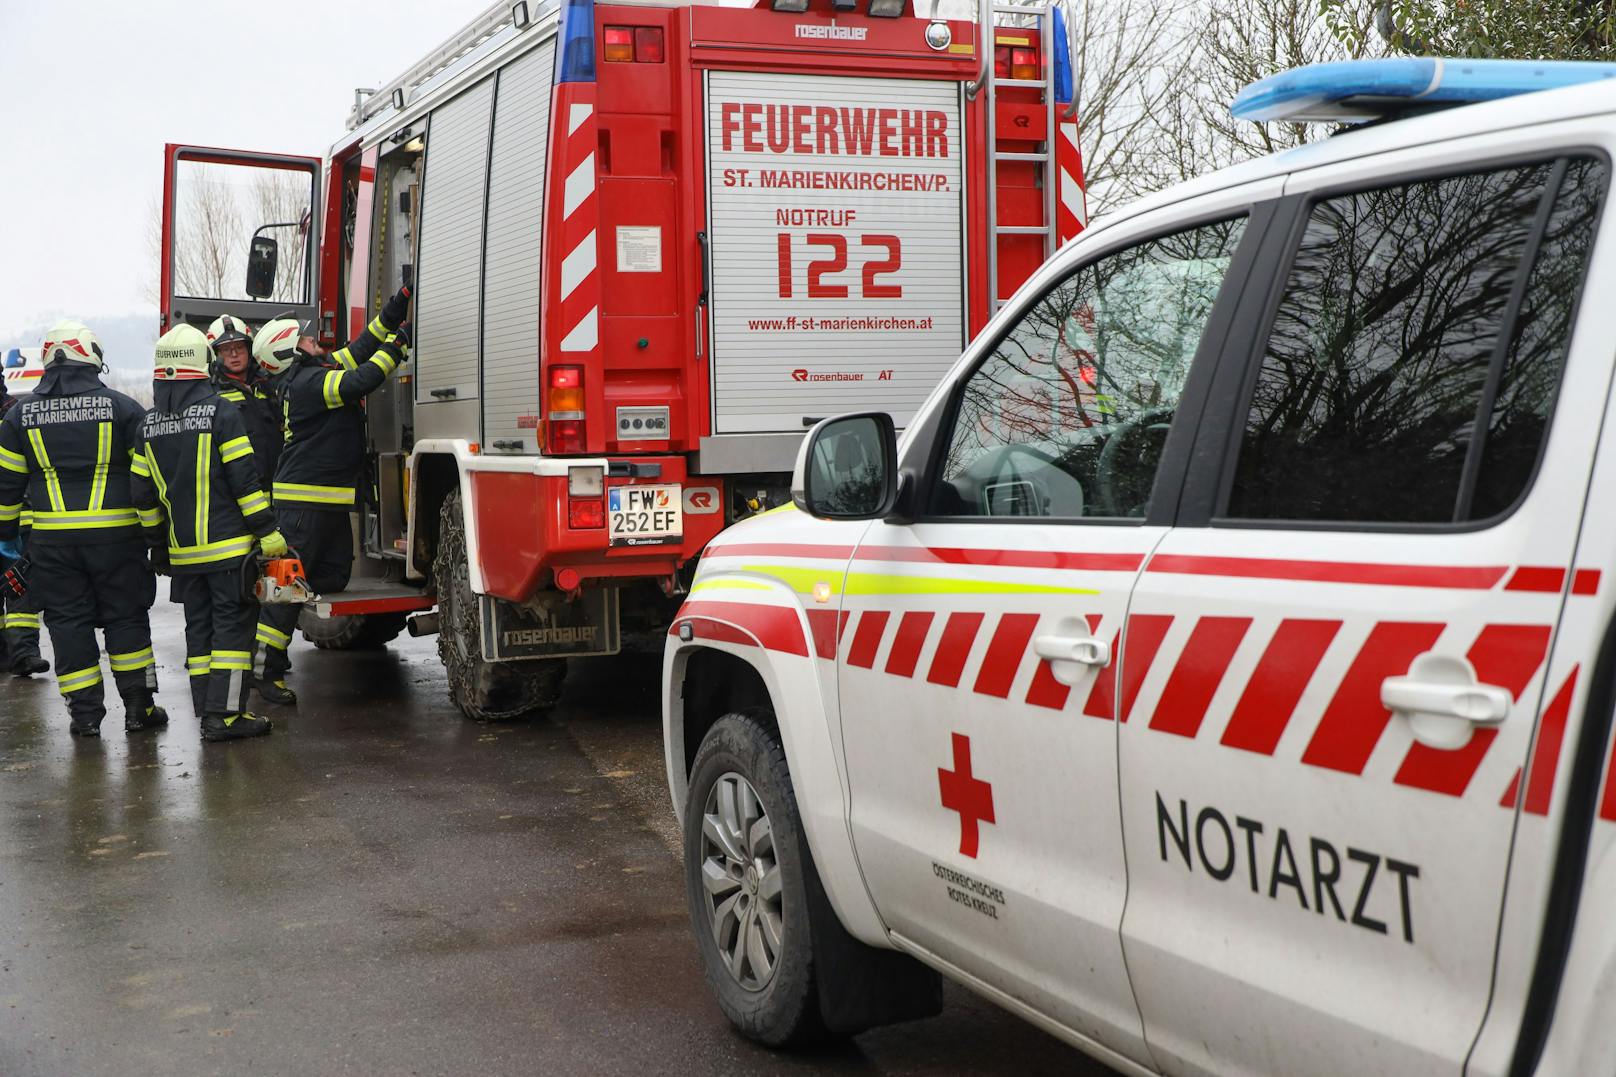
[262, 262]
[847, 468]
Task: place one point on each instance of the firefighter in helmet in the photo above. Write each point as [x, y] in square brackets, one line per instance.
[321, 465]
[204, 513]
[237, 378]
[71, 448]
[19, 614]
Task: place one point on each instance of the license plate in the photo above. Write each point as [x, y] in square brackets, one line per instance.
[645, 515]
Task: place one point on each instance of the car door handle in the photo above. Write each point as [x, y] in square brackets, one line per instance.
[1071, 657]
[1442, 700]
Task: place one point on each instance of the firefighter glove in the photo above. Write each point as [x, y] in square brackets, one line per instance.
[159, 560]
[274, 544]
[11, 549]
[396, 309]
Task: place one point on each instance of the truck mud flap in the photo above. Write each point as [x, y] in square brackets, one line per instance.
[553, 628]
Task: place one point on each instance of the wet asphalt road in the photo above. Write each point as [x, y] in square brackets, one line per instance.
[379, 887]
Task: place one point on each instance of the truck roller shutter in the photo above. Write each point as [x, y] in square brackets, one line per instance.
[449, 256]
[835, 207]
[511, 266]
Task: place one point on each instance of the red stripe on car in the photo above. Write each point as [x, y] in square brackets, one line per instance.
[1277, 684]
[1010, 642]
[1546, 749]
[1196, 677]
[948, 664]
[775, 627]
[867, 638]
[908, 641]
[1461, 577]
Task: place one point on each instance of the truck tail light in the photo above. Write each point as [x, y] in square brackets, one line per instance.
[1001, 61]
[586, 513]
[1024, 64]
[648, 45]
[619, 45]
[634, 45]
[564, 413]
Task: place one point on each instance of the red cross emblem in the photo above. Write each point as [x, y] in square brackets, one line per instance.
[968, 795]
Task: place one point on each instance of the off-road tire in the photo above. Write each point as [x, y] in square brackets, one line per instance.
[785, 1012]
[484, 691]
[359, 633]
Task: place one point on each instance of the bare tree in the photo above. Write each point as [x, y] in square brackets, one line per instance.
[283, 198]
[209, 240]
[1125, 53]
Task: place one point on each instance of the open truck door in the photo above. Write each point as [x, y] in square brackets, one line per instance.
[238, 235]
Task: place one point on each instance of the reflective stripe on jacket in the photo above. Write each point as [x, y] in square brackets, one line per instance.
[67, 451]
[196, 485]
[324, 457]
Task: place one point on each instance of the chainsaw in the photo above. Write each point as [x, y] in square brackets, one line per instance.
[276, 581]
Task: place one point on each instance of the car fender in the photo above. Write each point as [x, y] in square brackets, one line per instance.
[761, 622]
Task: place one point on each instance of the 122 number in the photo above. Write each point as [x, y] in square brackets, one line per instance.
[836, 261]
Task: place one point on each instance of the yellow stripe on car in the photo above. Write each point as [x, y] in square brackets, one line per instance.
[805, 581]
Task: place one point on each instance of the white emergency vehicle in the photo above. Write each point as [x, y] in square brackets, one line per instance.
[1219, 671]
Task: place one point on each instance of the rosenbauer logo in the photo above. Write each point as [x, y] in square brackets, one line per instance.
[832, 32]
[804, 374]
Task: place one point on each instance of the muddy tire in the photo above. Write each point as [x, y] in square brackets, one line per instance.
[484, 691]
[364, 633]
[745, 866]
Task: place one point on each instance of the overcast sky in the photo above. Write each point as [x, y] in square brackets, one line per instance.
[94, 89]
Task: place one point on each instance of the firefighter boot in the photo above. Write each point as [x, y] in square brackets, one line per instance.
[26, 665]
[234, 726]
[86, 718]
[276, 692]
[141, 713]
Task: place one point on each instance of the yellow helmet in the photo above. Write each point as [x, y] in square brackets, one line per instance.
[182, 354]
[275, 346]
[71, 342]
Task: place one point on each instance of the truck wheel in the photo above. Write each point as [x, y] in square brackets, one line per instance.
[746, 863]
[358, 633]
[484, 691]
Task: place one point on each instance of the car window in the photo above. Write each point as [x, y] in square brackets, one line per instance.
[1067, 416]
[1416, 349]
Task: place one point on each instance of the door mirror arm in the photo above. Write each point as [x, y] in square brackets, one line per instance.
[905, 501]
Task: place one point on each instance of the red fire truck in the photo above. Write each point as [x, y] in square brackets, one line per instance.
[649, 244]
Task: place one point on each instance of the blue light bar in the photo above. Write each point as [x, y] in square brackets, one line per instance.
[575, 60]
[1063, 60]
[1357, 90]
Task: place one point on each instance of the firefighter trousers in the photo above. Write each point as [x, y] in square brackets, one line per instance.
[323, 540]
[19, 628]
[218, 639]
[108, 586]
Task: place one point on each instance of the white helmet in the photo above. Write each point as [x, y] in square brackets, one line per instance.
[71, 342]
[228, 327]
[182, 354]
[275, 346]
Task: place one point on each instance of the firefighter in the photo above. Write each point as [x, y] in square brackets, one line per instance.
[19, 614]
[317, 480]
[237, 378]
[200, 477]
[71, 447]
